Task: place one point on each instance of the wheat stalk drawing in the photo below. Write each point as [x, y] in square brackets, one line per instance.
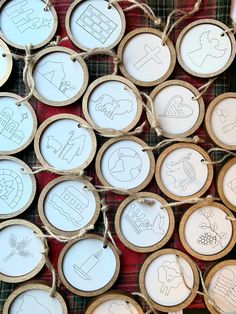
[18, 247]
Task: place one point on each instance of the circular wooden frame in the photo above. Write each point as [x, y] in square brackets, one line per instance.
[38, 268]
[79, 59]
[208, 127]
[151, 248]
[68, 29]
[33, 285]
[210, 274]
[55, 118]
[35, 124]
[185, 244]
[198, 22]
[220, 180]
[161, 159]
[200, 101]
[112, 141]
[34, 187]
[110, 296]
[6, 54]
[55, 19]
[193, 293]
[149, 31]
[116, 78]
[50, 186]
[81, 292]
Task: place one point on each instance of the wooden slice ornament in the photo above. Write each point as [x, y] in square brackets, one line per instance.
[220, 282]
[6, 63]
[18, 124]
[123, 164]
[70, 150]
[144, 228]
[212, 51]
[181, 172]
[59, 80]
[87, 268]
[34, 295]
[206, 232]
[220, 120]
[27, 22]
[120, 109]
[95, 24]
[165, 279]
[21, 255]
[67, 204]
[116, 302]
[178, 112]
[17, 187]
[144, 58]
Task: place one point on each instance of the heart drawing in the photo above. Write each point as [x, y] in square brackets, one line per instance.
[176, 109]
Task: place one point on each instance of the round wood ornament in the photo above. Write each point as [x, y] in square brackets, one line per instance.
[119, 111]
[206, 232]
[226, 184]
[87, 268]
[220, 120]
[115, 302]
[72, 149]
[221, 285]
[18, 124]
[20, 256]
[144, 228]
[177, 111]
[17, 189]
[27, 22]
[6, 63]
[181, 173]
[34, 296]
[123, 164]
[144, 59]
[163, 279]
[95, 24]
[66, 205]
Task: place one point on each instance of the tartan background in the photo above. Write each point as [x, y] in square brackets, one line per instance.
[99, 66]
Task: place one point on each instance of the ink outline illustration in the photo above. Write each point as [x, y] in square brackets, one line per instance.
[151, 54]
[232, 185]
[175, 108]
[23, 300]
[115, 308]
[204, 39]
[223, 115]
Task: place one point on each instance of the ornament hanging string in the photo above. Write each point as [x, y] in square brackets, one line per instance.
[231, 218]
[204, 88]
[47, 5]
[147, 300]
[58, 40]
[217, 149]
[230, 30]
[195, 200]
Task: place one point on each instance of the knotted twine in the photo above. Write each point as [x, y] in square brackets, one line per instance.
[194, 200]
[217, 149]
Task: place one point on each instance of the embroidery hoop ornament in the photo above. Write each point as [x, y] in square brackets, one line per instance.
[6, 54]
[185, 244]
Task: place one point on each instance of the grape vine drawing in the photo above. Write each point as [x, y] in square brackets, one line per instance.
[18, 248]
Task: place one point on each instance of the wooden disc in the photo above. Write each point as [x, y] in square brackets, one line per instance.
[6, 63]
[144, 228]
[205, 231]
[163, 271]
[181, 172]
[143, 56]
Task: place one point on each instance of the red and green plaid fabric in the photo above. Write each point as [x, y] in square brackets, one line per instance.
[98, 66]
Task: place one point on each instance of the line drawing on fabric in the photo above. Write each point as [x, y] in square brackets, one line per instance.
[222, 114]
[18, 248]
[96, 24]
[24, 116]
[70, 204]
[54, 73]
[139, 222]
[25, 18]
[177, 109]
[150, 54]
[211, 235]
[88, 265]
[229, 127]
[115, 308]
[208, 47]
[127, 165]
[225, 286]
[182, 171]
[11, 187]
[170, 275]
[30, 301]
[9, 128]
[232, 185]
[111, 107]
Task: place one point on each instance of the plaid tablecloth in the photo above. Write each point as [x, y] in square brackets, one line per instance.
[99, 66]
